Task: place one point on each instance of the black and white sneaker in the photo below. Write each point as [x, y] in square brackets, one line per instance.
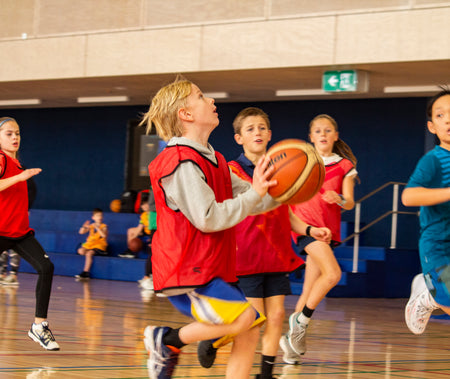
[41, 334]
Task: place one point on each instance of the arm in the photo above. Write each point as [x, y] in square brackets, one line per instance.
[346, 199]
[84, 228]
[102, 231]
[299, 227]
[23, 176]
[421, 196]
[186, 190]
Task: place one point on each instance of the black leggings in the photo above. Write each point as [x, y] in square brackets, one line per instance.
[31, 250]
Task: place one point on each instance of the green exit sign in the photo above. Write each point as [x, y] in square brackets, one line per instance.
[345, 81]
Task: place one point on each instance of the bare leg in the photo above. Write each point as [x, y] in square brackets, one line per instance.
[89, 259]
[330, 273]
[242, 354]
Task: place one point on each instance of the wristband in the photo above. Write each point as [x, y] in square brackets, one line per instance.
[308, 230]
[342, 202]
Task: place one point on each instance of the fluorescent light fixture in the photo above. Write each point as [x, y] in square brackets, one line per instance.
[301, 92]
[405, 89]
[217, 95]
[5, 103]
[103, 99]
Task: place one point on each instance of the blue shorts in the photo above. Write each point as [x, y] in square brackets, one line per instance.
[438, 283]
[265, 285]
[217, 303]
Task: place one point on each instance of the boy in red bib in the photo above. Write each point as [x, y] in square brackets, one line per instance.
[198, 202]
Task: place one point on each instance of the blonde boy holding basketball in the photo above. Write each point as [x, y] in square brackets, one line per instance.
[198, 202]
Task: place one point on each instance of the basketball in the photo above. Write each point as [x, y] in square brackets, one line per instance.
[299, 171]
[115, 205]
[135, 245]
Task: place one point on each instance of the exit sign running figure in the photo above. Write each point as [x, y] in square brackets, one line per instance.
[345, 81]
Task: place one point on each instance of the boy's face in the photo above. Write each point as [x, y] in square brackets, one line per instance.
[254, 135]
[145, 206]
[97, 217]
[440, 121]
[201, 109]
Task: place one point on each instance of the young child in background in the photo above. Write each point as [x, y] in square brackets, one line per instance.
[322, 271]
[146, 283]
[15, 232]
[14, 262]
[141, 231]
[429, 188]
[198, 202]
[96, 242]
[264, 254]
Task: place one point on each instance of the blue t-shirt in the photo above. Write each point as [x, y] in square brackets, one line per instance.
[433, 171]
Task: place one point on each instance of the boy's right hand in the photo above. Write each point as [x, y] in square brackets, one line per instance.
[261, 175]
[86, 224]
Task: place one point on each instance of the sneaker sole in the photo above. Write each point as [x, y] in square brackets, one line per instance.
[35, 339]
[285, 349]
[417, 281]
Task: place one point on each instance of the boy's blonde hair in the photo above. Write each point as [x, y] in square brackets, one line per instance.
[163, 112]
[247, 112]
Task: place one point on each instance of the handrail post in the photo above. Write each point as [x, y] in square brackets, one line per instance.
[394, 216]
[356, 239]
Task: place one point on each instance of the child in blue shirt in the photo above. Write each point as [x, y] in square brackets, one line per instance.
[429, 188]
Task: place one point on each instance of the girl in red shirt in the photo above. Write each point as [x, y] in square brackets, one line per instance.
[322, 269]
[15, 232]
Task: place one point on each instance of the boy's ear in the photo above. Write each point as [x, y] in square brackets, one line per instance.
[185, 115]
[238, 138]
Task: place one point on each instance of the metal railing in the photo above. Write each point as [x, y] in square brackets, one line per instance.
[394, 212]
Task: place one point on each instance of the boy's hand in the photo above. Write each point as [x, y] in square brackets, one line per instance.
[86, 224]
[321, 234]
[261, 183]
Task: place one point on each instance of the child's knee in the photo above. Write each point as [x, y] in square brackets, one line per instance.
[244, 321]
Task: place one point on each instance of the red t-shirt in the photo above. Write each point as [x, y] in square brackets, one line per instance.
[317, 212]
[14, 222]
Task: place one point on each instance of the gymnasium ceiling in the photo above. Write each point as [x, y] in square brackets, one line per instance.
[242, 86]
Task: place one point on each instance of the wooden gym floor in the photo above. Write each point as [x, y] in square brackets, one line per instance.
[99, 326]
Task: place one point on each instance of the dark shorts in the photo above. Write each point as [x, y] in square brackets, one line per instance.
[265, 285]
[303, 241]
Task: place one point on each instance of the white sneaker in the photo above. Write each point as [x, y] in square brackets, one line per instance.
[147, 284]
[290, 356]
[10, 280]
[297, 334]
[41, 334]
[420, 306]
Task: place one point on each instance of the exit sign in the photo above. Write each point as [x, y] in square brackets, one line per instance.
[345, 81]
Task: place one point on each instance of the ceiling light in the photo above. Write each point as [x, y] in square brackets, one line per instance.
[4, 103]
[217, 95]
[103, 99]
[301, 92]
[409, 89]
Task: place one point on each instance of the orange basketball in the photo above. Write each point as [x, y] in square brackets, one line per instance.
[115, 205]
[135, 245]
[299, 171]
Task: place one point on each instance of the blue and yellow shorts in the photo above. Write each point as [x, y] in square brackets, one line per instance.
[216, 303]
